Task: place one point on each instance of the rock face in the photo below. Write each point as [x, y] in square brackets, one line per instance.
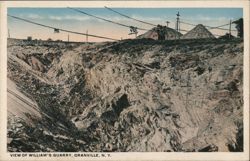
[161, 33]
[132, 95]
[198, 32]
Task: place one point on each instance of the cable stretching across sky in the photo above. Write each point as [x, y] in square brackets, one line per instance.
[210, 27]
[117, 23]
[68, 31]
[129, 17]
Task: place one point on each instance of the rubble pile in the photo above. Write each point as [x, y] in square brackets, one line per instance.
[198, 32]
[161, 33]
[131, 95]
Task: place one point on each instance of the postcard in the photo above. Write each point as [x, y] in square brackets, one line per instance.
[124, 80]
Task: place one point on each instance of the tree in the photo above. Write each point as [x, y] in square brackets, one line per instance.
[239, 27]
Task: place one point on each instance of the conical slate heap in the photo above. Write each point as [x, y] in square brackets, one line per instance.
[161, 33]
[198, 32]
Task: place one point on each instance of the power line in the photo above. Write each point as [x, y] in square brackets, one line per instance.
[210, 27]
[117, 23]
[187, 23]
[129, 17]
[220, 28]
[221, 25]
[68, 31]
[193, 24]
[217, 27]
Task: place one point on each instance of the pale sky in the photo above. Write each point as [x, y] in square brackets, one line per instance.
[71, 20]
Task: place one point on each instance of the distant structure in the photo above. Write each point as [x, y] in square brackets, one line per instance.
[226, 36]
[167, 23]
[133, 31]
[161, 33]
[239, 26]
[29, 38]
[198, 32]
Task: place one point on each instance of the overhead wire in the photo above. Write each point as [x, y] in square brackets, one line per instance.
[64, 30]
[219, 27]
[187, 23]
[129, 17]
[222, 25]
[117, 23]
[210, 27]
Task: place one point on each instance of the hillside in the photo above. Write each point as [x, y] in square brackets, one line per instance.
[132, 95]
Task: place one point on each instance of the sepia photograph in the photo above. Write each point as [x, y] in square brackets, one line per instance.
[106, 79]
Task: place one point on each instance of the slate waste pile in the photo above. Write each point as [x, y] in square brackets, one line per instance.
[165, 33]
[136, 95]
[161, 33]
[198, 32]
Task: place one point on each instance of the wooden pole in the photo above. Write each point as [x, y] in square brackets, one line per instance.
[87, 36]
[178, 24]
[8, 33]
[230, 29]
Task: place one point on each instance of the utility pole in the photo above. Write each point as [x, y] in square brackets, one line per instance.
[8, 33]
[87, 36]
[230, 29]
[178, 22]
[167, 23]
[68, 37]
[177, 27]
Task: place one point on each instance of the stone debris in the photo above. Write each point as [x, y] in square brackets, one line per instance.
[198, 32]
[161, 33]
[136, 95]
